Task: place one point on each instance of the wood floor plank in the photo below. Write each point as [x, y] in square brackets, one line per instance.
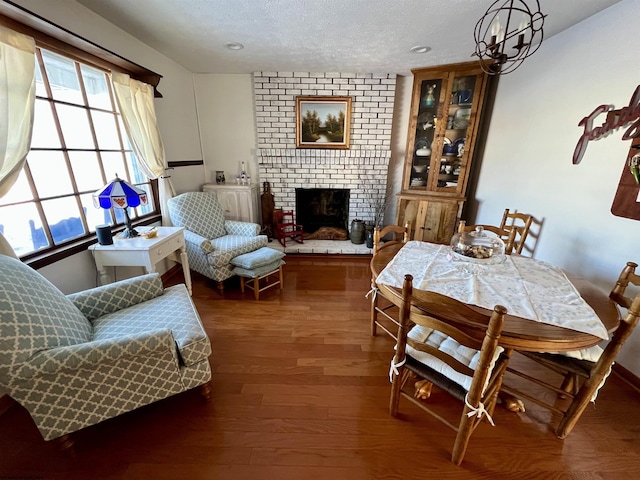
[300, 390]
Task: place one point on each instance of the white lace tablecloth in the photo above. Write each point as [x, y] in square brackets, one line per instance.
[528, 288]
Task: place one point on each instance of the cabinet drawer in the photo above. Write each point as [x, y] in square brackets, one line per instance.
[164, 249]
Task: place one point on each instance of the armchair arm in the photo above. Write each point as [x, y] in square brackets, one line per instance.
[89, 355]
[99, 301]
[198, 242]
[245, 229]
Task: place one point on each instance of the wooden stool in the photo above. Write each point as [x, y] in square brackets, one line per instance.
[255, 285]
[264, 263]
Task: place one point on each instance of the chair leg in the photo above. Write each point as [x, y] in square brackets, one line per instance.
[462, 438]
[396, 385]
[374, 314]
[220, 286]
[205, 391]
[281, 278]
[242, 284]
[65, 444]
[256, 287]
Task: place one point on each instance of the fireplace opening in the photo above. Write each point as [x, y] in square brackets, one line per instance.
[323, 212]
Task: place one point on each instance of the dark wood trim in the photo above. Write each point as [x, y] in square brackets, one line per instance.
[627, 376]
[53, 37]
[185, 163]
[42, 259]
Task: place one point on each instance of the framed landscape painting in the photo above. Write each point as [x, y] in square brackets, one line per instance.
[323, 122]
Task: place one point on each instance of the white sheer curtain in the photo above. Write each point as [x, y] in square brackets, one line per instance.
[135, 101]
[17, 100]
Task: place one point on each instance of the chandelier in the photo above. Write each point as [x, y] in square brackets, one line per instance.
[507, 44]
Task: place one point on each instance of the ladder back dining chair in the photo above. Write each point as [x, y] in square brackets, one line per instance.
[583, 373]
[444, 342]
[380, 305]
[505, 235]
[521, 223]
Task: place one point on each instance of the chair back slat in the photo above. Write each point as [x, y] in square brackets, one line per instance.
[400, 235]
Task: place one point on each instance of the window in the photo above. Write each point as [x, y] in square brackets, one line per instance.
[79, 144]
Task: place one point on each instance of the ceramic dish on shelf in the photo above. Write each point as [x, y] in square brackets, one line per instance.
[423, 148]
[458, 146]
[419, 168]
[461, 118]
[418, 182]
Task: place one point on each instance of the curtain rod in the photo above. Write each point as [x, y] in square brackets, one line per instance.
[51, 35]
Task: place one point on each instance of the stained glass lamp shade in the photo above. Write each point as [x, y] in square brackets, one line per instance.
[121, 194]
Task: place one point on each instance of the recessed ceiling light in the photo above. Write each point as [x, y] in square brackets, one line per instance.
[234, 46]
[419, 49]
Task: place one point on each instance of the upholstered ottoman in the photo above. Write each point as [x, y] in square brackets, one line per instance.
[257, 265]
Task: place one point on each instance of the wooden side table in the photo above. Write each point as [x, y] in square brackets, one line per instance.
[144, 252]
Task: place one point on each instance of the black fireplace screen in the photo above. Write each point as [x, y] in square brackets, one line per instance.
[322, 207]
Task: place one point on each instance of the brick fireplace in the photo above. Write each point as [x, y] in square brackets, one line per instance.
[362, 169]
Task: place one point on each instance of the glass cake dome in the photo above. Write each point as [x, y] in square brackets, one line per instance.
[478, 246]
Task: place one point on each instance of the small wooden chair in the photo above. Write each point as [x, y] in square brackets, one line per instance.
[507, 235]
[286, 228]
[521, 223]
[581, 379]
[426, 346]
[379, 303]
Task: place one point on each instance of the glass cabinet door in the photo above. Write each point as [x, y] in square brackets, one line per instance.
[425, 133]
[454, 158]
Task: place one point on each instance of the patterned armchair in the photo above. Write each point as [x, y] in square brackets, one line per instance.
[76, 360]
[212, 241]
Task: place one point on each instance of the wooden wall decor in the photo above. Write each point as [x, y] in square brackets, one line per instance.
[628, 116]
[626, 202]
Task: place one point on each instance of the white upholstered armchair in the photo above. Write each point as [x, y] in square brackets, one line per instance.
[211, 241]
[76, 360]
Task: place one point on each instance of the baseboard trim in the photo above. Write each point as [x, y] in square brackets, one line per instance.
[627, 376]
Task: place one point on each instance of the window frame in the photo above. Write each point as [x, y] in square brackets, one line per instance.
[58, 40]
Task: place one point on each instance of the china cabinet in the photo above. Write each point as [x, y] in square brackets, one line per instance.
[239, 202]
[447, 105]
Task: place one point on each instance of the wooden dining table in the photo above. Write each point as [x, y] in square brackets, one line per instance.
[522, 333]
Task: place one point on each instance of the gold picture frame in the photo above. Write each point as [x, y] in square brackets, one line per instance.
[323, 122]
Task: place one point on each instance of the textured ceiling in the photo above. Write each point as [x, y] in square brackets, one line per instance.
[319, 35]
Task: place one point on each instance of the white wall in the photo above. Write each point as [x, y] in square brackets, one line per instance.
[176, 113]
[534, 130]
[227, 122]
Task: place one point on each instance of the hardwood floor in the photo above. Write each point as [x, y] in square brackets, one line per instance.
[300, 391]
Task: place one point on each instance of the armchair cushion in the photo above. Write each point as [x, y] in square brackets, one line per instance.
[35, 315]
[230, 246]
[200, 213]
[116, 296]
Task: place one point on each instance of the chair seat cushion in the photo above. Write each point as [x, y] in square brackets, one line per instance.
[258, 271]
[34, 315]
[173, 311]
[465, 355]
[259, 258]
